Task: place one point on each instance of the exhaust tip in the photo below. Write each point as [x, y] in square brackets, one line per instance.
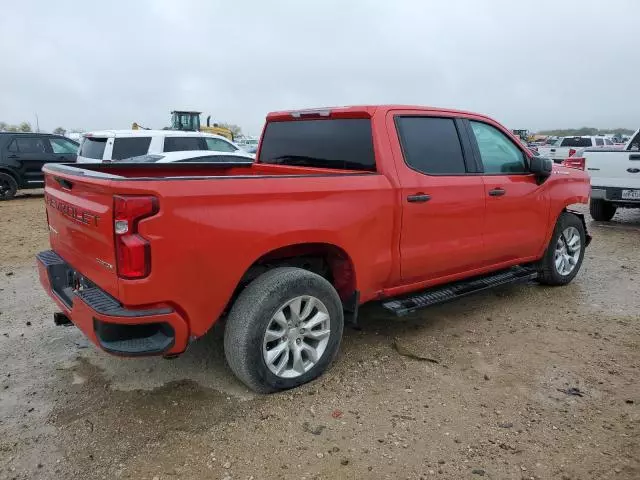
[61, 319]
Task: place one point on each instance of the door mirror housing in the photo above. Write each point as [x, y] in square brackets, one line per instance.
[541, 167]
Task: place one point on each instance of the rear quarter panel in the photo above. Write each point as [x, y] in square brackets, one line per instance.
[209, 232]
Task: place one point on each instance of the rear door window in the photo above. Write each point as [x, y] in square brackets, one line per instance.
[127, 147]
[576, 142]
[599, 142]
[92, 147]
[31, 145]
[219, 145]
[181, 144]
[431, 145]
[345, 144]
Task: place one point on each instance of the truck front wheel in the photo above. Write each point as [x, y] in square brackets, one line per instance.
[563, 258]
[284, 330]
[601, 210]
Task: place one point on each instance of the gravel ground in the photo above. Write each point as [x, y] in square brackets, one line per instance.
[521, 382]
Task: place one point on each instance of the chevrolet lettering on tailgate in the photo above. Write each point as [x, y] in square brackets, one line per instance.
[72, 212]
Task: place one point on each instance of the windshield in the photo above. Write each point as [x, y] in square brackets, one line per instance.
[345, 144]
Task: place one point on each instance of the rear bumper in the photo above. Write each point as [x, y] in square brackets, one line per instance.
[613, 194]
[111, 326]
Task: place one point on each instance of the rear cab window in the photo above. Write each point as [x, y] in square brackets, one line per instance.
[127, 147]
[93, 147]
[576, 142]
[338, 143]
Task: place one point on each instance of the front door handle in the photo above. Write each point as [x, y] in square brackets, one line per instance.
[418, 198]
[13, 156]
[497, 192]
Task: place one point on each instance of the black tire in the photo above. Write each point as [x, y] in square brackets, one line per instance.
[547, 271]
[601, 210]
[251, 314]
[8, 186]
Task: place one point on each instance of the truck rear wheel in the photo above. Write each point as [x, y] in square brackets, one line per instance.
[601, 210]
[284, 330]
[563, 258]
[8, 186]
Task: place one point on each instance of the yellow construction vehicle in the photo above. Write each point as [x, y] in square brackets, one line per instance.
[190, 122]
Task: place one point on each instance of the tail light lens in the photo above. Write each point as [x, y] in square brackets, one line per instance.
[575, 162]
[572, 152]
[133, 252]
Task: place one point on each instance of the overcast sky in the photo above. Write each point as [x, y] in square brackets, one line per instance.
[530, 64]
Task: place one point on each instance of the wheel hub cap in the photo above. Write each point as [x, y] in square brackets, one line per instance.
[567, 252]
[296, 337]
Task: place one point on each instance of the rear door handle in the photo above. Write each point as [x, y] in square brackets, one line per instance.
[13, 156]
[497, 192]
[418, 198]
[633, 156]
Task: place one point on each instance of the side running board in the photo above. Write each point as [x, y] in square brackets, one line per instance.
[405, 305]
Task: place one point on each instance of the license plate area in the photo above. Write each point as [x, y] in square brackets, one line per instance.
[630, 194]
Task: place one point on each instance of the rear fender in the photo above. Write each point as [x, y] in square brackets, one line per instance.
[11, 172]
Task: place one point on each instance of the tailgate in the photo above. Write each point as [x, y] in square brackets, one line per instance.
[80, 217]
[613, 168]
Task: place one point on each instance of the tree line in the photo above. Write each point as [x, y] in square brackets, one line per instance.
[25, 127]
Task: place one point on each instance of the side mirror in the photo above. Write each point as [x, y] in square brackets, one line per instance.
[541, 167]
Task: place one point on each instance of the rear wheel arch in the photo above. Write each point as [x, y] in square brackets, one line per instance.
[8, 185]
[12, 173]
[325, 259]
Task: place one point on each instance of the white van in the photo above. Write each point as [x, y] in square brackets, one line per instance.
[114, 145]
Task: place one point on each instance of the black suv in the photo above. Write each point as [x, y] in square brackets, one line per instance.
[22, 156]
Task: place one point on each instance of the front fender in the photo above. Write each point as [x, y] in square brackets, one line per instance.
[584, 223]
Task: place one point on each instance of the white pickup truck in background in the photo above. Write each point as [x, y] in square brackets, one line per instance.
[615, 178]
[567, 147]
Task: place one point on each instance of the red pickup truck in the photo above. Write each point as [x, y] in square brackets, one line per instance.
[407, 205]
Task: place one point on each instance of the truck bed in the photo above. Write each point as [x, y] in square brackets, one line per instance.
[174, 171]
[207, 232]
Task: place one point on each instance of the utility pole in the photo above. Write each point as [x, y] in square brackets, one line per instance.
[37, 124]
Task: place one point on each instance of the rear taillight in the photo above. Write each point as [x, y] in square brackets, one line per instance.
[572, 152]
[133, 252]
[575, 162]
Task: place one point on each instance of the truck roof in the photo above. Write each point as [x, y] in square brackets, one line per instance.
[363, 111]
[148, 133]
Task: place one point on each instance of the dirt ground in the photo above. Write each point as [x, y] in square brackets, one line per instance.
[526, 382]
